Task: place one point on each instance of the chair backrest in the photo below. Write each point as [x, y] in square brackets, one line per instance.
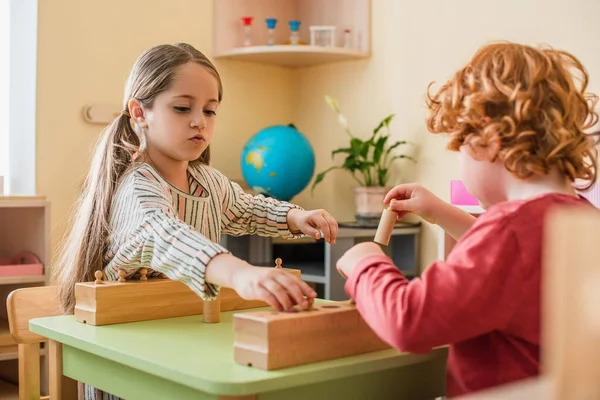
[28, 303]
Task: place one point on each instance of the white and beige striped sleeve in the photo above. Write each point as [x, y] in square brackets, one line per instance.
[245, 214]
[156, 238]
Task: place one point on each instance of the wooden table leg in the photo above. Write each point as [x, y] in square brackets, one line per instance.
[61, 387]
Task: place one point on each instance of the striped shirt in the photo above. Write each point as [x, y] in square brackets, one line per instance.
[155, 225]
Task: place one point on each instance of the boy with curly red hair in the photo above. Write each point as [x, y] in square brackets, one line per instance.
[517, 115]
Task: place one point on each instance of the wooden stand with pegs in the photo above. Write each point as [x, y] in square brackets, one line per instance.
[100, 302]
[272, 340]
[386, 226]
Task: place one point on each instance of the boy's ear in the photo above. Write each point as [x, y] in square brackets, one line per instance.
[493, 148]
[487, 151]
[137, 112]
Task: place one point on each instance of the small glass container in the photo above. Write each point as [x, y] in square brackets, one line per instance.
[347, 39]
[295, 32]
[247, 26]
[271, 23]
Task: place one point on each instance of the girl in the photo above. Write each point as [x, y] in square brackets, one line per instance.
[151, 199]
[517, 117]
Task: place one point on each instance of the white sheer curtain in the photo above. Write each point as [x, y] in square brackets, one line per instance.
[4, 84]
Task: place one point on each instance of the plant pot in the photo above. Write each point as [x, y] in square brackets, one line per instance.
[369, 201]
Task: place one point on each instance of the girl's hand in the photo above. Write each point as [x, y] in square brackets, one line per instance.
[278, 288]
[346, 263]
[413, 198]
[315, 223]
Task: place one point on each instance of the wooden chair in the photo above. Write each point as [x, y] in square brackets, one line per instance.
[25, 304]
[571, 314]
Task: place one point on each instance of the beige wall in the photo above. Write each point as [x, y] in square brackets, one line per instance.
[414, 43]
[85, 52]
[87, 48]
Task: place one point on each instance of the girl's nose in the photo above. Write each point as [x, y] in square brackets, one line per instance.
[198, 122]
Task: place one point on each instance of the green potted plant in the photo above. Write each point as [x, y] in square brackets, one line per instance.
[369, 162]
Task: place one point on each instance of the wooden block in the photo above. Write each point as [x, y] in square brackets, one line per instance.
[385, 227]
[271, 340]
[113, 302]
[211, 311]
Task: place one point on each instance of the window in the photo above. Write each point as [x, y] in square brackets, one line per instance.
[4, 81]
[18, 61]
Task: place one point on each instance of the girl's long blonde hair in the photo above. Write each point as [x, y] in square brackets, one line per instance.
[83, 248]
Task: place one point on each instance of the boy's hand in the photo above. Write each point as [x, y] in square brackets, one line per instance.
[413, 198]
[278, 288]
[315, 223]
[346, 263]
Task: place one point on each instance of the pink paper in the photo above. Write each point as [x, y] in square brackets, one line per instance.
[460, 196]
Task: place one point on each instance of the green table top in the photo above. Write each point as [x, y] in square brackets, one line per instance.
[189, 352]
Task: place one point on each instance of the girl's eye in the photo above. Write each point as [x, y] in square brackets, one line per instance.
[210, 112]
[181, 109]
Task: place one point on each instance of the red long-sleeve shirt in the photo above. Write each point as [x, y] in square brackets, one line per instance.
[484, 301]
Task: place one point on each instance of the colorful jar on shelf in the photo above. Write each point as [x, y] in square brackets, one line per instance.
[271, 23]
[295, 32]
[247, 26]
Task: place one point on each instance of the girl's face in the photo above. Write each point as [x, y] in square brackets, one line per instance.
[482, 177]
[181, 122]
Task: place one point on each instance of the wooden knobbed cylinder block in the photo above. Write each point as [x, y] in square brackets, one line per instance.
[386, 226]
[272, 340]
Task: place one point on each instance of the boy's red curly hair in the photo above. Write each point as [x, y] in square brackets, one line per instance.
[534, 101]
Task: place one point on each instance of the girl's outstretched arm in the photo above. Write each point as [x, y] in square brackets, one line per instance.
[245, 214]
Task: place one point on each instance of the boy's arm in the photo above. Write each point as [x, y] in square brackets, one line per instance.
[474, 292]
[453, 220]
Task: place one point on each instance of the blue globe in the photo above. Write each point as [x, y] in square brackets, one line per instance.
[278, 161]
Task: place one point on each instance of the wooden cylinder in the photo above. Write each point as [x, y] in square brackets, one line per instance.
[386, 225]
[211, 311]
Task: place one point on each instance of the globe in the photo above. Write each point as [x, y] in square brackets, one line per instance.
[278, 162]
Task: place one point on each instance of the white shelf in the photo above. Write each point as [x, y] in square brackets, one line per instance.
[9, 353]
[18, 280]
[292, 56]
[472, 209]
[228, 36]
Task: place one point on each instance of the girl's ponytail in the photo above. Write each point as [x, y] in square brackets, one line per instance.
[81, 254]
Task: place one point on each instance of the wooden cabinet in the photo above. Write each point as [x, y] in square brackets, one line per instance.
[24, 228]
[352, 15]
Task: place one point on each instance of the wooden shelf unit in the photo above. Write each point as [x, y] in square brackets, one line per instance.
[24, 226]
[343, 14]
[317, 259]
